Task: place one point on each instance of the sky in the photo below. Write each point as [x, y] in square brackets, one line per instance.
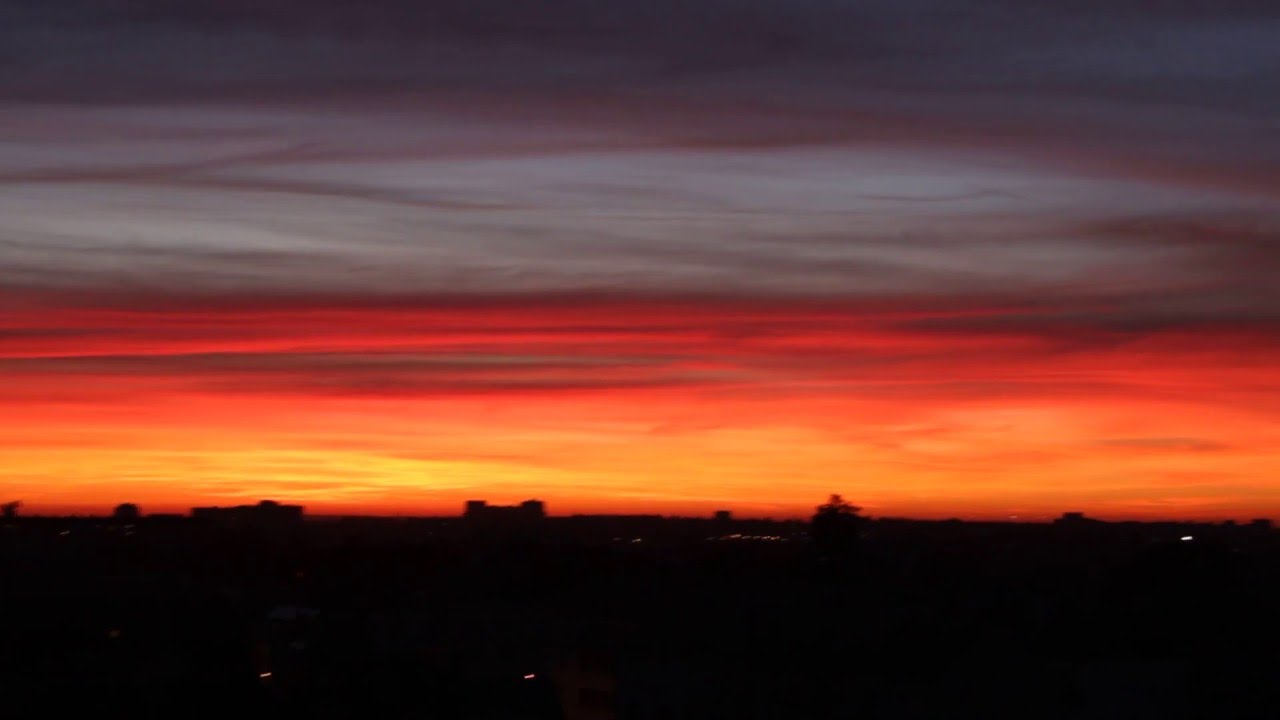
[977, 258]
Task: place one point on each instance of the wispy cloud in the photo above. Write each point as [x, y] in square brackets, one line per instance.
[744, 242]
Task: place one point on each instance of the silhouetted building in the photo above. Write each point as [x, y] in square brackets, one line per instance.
[266, 515]
[527, 511]
[126, 513]
[723, 516]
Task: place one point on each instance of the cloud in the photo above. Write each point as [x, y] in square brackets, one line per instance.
[1175, 444]
[1217, 56]
[373, 373]
[749, 347]
[754, 223]
[839, 222]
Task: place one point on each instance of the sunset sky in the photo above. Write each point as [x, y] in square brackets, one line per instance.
[973, 258]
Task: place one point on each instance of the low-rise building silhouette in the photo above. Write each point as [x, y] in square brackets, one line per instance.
[527, 511]
[266, 515]
[1073, 519]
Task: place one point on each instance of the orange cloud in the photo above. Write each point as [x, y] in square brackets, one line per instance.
[676, 406]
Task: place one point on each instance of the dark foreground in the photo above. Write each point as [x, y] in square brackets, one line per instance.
[367, 619]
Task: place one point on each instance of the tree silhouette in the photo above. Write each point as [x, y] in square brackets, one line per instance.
[836, 528]
[126, 512]
[10, 510]
[837, 505]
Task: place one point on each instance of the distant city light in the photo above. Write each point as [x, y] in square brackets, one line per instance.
[264, 675]
[1187, 538]
[530, 676]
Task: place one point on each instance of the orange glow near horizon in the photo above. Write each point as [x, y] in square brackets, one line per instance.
[678, 407]
[641, 262]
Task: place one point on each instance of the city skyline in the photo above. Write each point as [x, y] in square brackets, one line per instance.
[945, 259]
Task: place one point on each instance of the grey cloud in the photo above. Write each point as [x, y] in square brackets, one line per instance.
[576, 44]
[326, 172]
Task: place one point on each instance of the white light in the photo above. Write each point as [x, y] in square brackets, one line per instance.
[264, 675]
[1187, 538]
[530, 676]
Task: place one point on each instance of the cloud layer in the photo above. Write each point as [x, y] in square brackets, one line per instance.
[948, 257]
